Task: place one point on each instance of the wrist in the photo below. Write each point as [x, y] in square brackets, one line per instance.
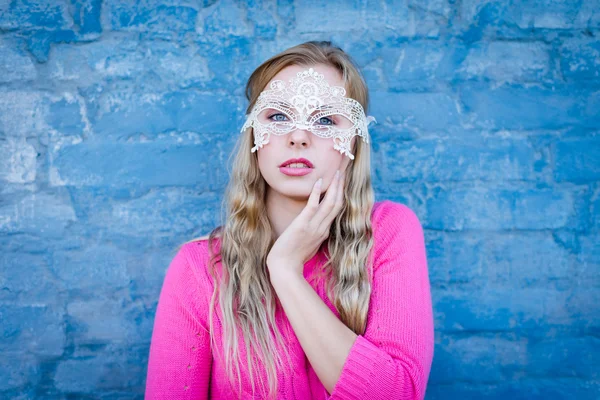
[280, 274]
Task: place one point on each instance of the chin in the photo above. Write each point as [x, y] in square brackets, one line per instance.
[296, 193]
[298, 196]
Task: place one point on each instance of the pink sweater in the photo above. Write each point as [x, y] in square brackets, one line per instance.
[392, 360]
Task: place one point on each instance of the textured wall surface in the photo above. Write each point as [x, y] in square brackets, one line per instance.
[117, 119]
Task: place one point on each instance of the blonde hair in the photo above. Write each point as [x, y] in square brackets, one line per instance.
[246, 297]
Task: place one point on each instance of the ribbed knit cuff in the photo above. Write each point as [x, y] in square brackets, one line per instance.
[358, 371]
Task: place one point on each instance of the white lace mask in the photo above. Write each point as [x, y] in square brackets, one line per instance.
[308, 102]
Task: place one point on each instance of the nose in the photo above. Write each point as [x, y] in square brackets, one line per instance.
[299, 137]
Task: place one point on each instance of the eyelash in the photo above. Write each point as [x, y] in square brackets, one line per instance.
[332, 122]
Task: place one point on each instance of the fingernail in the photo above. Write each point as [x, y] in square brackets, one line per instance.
[337, 173]
[318, 184]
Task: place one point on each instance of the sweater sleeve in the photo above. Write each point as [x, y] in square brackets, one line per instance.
[392, 360]
[180, 358]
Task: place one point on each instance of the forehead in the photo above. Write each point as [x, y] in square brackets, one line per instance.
[331, 75]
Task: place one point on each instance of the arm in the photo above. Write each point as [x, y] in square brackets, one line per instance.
[325, 339]
[393, 358]
[180, 358]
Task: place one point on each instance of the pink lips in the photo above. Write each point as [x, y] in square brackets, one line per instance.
[296, 171]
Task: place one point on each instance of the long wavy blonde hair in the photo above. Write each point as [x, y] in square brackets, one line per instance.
[246, 297]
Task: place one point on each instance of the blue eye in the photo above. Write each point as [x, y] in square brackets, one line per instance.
[278, 117]
[325, 121]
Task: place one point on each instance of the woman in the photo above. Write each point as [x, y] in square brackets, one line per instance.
[310, 290]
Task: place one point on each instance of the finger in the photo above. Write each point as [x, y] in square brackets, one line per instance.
[329, 201]
[313, 200]
[339, 201]
[340, 192]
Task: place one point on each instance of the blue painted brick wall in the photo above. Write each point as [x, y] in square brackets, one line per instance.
[117, 119]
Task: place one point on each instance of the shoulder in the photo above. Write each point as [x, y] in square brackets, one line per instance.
[398, 236]
[198, 248]
[390, 215]
[194, 256]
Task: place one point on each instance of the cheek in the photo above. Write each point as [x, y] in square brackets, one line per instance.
[264, 157]
[268, 157]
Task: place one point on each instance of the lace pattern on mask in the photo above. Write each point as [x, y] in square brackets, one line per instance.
[305, 101]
